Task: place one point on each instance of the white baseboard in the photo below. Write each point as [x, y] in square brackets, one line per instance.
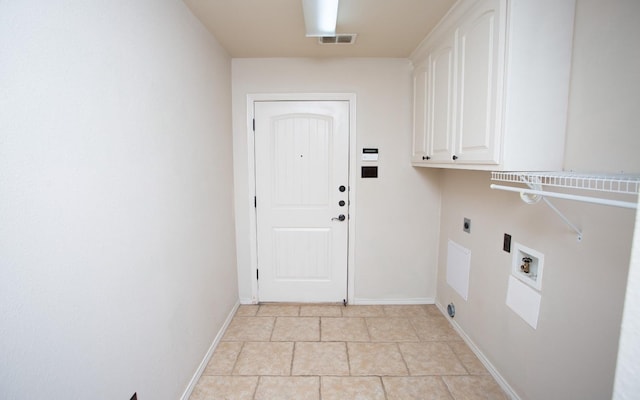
[207, 357]
[417, 300]
[483, 359]
[364, 301]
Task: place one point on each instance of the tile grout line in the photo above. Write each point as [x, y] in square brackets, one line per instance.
[366, 325]
[447, 386]
[235, 362]
[406, 365]
[348, 357]
[415, 330]
[384, 389]
[293, 355]
[366, 328]
[255, 390]
[273, 328]
[458, 358]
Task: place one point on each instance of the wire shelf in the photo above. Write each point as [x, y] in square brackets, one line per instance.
[533, 193]
[626, 184]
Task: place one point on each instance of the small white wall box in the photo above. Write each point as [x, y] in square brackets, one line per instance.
[527, 265]
[458, 268]
[369, 154]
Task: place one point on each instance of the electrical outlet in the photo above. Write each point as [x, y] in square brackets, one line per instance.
[466, 226]
[506, 243]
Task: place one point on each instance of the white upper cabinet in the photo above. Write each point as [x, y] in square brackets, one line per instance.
[420, 79]
[479, 73]
[433, 105]
[440, 102]
[491, 86]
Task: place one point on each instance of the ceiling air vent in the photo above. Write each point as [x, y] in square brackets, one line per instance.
[342, 38]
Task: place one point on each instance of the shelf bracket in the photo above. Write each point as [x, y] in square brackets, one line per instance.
[534, 184]
[564, 218]
[532, 196]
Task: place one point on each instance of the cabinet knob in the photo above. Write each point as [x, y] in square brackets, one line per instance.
[454, 157]
[426, 158]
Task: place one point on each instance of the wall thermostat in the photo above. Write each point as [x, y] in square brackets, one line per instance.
[369, 154]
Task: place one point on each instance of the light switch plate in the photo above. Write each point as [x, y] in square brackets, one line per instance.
[369, 154]
[506, 243]
[369, 157]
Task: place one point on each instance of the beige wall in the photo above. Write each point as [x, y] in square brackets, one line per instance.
[603, 128]
[572, 353]
[117, 258]
[396, 215]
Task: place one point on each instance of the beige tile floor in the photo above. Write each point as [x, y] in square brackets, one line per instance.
[282, 352]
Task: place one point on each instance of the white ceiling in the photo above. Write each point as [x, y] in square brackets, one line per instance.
[275, 28]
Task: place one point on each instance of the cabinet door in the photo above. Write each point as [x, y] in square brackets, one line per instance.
[480, 39]
[420, 79]
[440, 103]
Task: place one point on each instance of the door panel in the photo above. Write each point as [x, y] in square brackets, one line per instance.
[301, 153]
[301, 176]
[440, 94]
[302, 254]
[479, 41]
[420, 88]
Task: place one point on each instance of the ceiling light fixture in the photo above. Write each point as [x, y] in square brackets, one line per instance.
[320, 17]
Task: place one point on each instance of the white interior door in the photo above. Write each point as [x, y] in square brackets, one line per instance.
[302, 190]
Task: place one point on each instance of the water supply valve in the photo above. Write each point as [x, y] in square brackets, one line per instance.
[525, 267]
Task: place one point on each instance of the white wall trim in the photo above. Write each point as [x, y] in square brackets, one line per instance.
[251, 173]
[246, 300]
[483, 359]
[351, 98]
[207, 357]
[408, 301]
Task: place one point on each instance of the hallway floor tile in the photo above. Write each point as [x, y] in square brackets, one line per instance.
[326, 352]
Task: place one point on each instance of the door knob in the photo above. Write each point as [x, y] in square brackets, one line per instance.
[340, 217]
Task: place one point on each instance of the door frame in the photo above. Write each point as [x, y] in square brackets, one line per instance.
[253, 240]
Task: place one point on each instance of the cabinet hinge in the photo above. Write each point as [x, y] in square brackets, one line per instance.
[254, 125]
[255, 202]
[257, 274]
